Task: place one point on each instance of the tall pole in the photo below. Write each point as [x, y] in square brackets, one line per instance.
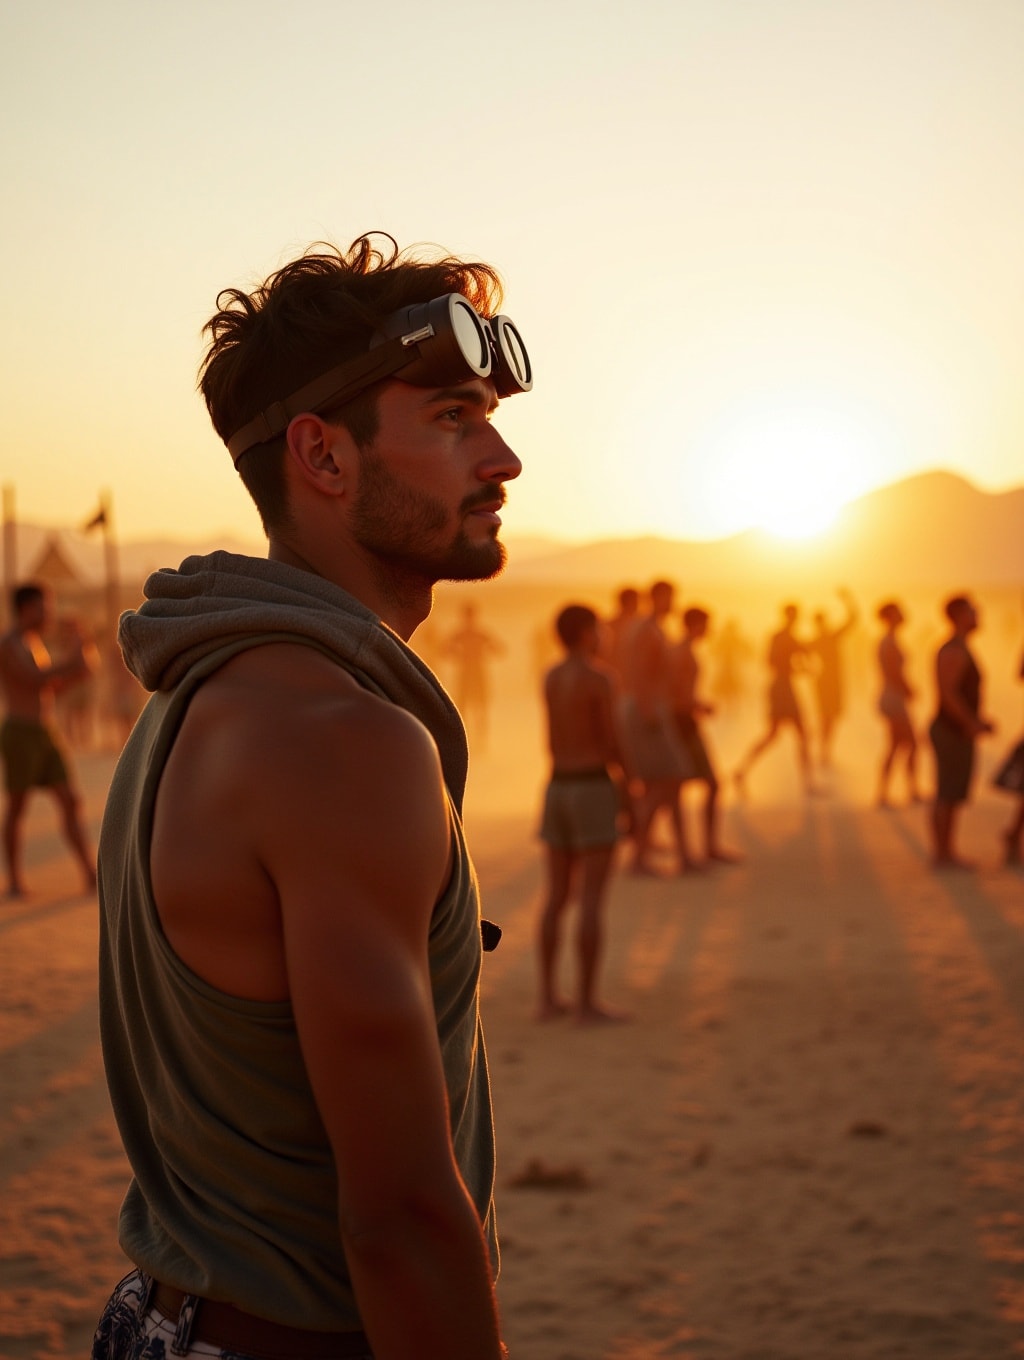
[10, 545]
[110, 562]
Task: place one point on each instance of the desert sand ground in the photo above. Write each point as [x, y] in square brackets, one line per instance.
[808, 1142]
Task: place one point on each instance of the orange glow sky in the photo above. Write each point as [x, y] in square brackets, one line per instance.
[766, 253]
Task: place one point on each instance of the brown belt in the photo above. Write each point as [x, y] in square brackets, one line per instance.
[224, 1325]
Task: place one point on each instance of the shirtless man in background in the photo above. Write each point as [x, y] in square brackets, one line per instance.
[471, 647]
[581, 805]
[32, 756]
[955, 729]
[619, 629]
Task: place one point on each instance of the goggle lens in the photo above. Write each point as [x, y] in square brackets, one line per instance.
[514, 371]
[471, 337]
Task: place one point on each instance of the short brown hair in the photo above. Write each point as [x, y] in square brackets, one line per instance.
[574, 622]
[956, 607]
[311, 314]
[29, 592]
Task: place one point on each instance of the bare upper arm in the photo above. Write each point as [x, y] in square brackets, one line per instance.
[357, 844]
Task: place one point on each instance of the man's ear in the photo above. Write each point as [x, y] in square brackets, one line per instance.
[323, 453]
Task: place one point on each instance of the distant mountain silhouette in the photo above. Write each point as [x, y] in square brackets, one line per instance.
[934, 530]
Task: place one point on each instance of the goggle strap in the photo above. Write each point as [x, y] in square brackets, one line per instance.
[509, 366]
[332, 388]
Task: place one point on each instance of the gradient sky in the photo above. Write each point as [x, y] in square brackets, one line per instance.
[761, 250]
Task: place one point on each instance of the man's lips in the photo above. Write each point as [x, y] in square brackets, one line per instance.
[487, 509]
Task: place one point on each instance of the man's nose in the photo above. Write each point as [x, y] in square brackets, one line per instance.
[499, 463]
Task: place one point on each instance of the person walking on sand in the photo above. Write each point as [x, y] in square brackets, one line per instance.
[954, 729]
[653, 755]
[732, 649]
[581, 805]
[472, 647]
[29, 746]
[828, 679]
[785, 653]
[290, 929]
[688, 709]
[892, 704]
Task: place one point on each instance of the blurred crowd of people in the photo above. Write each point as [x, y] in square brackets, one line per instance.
[627, 708]
[626, 713]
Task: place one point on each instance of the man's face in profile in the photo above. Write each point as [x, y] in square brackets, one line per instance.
[430, 485]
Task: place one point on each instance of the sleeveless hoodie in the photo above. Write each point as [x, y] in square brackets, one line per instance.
[234, 1194]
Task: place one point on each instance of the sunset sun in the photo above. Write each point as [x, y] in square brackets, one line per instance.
[788, 469]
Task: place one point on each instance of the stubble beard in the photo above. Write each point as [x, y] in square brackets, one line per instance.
[409, 531]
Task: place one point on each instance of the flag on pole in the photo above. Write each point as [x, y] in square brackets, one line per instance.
[97, 522]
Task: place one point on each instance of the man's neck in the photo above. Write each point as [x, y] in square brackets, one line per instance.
[402, 604]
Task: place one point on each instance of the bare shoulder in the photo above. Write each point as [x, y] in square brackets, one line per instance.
[301, 686]
[600, 676]
[580, 675]
[292, 726]
[287, 780]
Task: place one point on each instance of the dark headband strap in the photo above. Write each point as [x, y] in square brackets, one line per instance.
[333, 388]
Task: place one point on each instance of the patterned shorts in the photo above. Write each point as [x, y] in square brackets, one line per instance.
[129, 1329]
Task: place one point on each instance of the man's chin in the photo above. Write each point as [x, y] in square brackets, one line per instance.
[476, 562]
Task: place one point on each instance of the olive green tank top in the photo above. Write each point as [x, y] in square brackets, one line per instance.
[234, 1194]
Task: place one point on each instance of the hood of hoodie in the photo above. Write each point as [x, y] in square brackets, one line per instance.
[211, 602]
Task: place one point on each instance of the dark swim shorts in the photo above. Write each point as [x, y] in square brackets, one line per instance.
[32, 759]
[581, 811]
[954, 760]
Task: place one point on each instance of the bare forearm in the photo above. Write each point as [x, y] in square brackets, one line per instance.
[424, 1286]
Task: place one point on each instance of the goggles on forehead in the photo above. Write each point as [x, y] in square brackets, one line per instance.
[431, 344]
